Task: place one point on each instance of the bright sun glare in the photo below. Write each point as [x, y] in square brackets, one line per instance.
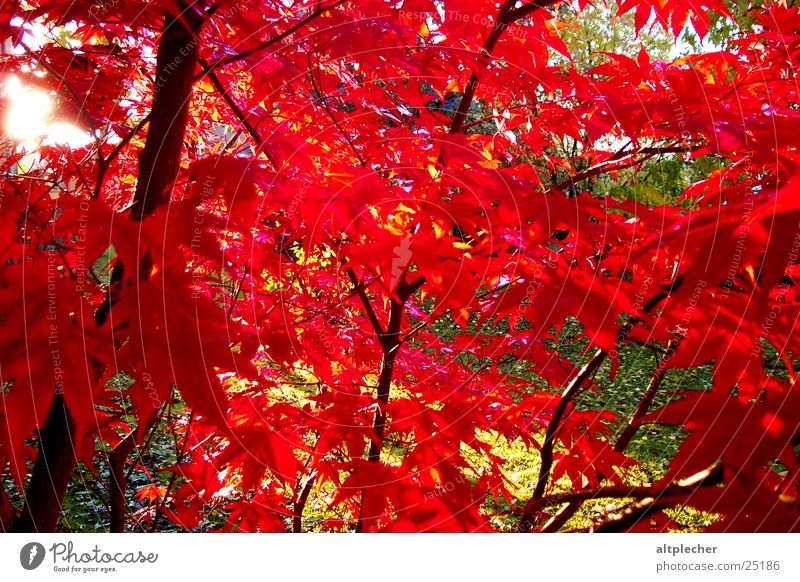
[29, 118]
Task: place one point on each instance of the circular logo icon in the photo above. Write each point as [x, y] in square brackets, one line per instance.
[31, 555]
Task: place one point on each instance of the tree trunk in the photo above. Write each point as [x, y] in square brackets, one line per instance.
[51, 473]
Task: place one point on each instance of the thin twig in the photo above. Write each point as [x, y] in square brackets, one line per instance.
[658, 500]
[390, 343]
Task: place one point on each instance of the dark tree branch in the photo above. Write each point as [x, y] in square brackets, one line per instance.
[553, 428]
[660, 499]
[117, 482]
[179, 457]
[572, 390]
[646, 401]
[390, 341]
[323, 101]
[51, 472]
[560, 518]
[505, 17]
[318, 11]
[159, 161]
[365, 301]
[105, 163]
[528, 9]
[300, 503]
[73, 94]
[234, 107]
[607, 166]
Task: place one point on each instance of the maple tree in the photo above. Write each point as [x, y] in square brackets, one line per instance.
[347, 235]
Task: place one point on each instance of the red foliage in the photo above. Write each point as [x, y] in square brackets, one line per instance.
[338, 199]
